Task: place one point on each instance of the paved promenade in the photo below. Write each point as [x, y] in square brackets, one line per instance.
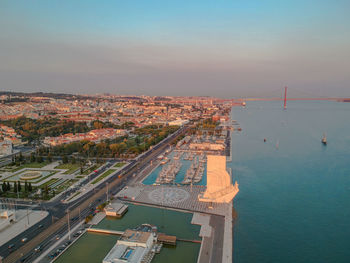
[180, 197]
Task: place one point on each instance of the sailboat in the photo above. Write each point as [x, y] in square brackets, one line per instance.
[324, 139]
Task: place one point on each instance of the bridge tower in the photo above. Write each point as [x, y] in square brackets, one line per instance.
[285, 98]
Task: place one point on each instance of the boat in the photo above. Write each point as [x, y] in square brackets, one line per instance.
[324, 139]
[164, 161]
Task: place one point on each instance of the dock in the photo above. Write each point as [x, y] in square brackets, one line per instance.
[166, 239]
[105, 231]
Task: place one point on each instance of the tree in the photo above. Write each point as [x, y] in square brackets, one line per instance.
[32, 157]
[30, 188]
[20, 157]
[4, 187]
[15, 187]
[19, 186]
[49, 158]
[98, 124]
[26, 186]
[64, 159]
[73, 160]
[40, 159]
[46, 190]
[8, 186]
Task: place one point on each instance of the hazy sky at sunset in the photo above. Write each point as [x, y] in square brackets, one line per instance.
[225, 48]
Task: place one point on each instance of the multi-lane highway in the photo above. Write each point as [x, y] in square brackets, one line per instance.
[45, 232]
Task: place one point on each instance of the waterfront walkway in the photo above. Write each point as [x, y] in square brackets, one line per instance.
[178, 197]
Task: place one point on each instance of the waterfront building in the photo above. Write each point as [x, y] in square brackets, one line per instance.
[116, 209]
[133, 247]
[207, 146]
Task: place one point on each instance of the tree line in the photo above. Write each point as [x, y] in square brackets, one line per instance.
[125, 146]
[36, 129]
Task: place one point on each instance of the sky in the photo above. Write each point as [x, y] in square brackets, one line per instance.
[223, 48]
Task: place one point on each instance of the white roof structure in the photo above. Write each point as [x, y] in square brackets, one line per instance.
[115, 209]
[131, 247]
[122, 253]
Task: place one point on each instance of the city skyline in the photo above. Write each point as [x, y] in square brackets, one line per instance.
[225, 49]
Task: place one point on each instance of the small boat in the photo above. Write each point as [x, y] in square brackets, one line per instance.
[324, 139]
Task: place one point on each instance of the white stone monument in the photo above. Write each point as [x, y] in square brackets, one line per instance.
[219, 185]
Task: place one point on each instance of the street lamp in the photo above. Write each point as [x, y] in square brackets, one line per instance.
[107, 191]
[68, 224]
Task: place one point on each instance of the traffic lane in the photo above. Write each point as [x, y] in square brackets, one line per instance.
[29, 233]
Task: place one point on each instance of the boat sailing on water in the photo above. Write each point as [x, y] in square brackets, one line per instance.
[324, 139]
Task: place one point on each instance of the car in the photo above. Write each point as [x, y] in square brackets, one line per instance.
[40, 226]
[11, 246]
[53, 255]
[67, 243]
[57, 237]
[24, 239]
[38, 249]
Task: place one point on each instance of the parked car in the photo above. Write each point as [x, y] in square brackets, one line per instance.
[67, 243]
[11, 246]
[24, 239]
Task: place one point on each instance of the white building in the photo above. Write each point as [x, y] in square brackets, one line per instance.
[116, 209]
[131, 247]
[5, 147]
[178, 122]
[207, 146]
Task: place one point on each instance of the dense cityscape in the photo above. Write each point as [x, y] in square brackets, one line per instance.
[58, 152]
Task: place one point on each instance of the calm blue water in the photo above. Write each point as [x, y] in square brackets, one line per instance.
[294, 201]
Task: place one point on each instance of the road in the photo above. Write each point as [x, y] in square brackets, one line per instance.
[56, 223]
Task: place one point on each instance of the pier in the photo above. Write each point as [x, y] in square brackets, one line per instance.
[105, 231]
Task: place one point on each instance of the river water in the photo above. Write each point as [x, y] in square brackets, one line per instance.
[294, 199]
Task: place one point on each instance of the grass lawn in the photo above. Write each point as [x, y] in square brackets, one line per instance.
[29, 165]
[105, 174]
[70, 198]
[91, 169]
[69, 167]
[65, 185]
[34, 181]
[51, 181]
[119, 165]
[47, 176]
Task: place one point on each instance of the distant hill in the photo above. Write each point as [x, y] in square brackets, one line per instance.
[42, 94]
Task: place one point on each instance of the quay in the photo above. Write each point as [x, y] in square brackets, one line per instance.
[105, 231]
